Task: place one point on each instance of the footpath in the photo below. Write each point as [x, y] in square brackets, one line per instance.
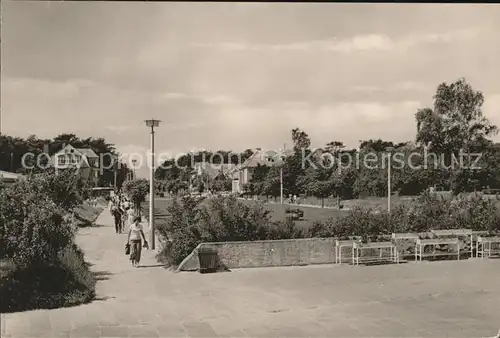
[439, 299]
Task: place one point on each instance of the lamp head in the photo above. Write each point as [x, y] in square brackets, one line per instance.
[152, 123]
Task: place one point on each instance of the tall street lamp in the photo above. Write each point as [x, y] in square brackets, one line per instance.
[134, 162]
[115, 165]
[281, 180]
[281, 185]
[389, 151]
[278, 160]
[282, 157]
[152, 124]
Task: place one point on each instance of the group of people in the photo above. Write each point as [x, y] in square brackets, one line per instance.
[292, 199]
[124, 213]
[92, 201]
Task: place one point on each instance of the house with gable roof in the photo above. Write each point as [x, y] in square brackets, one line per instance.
[211, 171]
[242, 174]
[85, 160]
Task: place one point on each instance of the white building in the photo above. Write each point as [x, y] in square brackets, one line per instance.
[85, 160]
[243, 173]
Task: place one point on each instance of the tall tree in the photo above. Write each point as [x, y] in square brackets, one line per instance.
[457, 120]
[334, 147]
[321, 190]
[300, 140]
[378, 145]
[271, 186]
[295, 165]
[456, 124]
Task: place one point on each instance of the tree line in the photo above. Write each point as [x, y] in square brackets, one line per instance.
[12, 150]
[453, 127]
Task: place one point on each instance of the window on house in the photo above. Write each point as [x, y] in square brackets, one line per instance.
[61, 159]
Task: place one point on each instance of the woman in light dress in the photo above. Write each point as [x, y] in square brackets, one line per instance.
[135, 237]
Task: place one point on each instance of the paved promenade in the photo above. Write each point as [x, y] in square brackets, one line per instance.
[440, 299]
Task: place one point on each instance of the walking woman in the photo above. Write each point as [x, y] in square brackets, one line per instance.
[111, 204]
[135, 234]
[125, 211]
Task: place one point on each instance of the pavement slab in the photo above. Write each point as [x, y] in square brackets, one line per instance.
[425, 299]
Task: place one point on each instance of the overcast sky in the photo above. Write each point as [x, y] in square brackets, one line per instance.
[237, 76]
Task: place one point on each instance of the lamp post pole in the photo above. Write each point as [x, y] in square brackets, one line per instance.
[281, 173]
[134, 162]
[389, 151]
[389, 185]
[281, 185]
[152, 124]
[115, 171]
[152, 191]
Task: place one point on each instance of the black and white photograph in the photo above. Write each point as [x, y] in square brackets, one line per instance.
[249, 169]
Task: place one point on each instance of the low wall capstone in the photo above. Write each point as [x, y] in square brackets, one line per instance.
[269, 253]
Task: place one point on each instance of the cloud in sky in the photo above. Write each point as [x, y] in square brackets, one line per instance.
[119, 129]
[357, 43]
[339, 71]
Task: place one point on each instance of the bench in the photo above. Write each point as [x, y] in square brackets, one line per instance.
[474, 244]
[422, 243]
[484, 246]
[359, 247]
[473, 236]
[456, 233]
[452, 232]
[412, 237]
[407, 235]
[340, 244]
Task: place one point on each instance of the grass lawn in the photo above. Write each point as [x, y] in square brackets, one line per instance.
[367, 202]
[311, 214]
[87, 214]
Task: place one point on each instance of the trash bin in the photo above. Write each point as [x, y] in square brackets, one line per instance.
[208, 260]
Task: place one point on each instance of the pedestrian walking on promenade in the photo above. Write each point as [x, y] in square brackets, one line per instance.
[135, 237]
[117, 215]
[111, 204]
[126, 203]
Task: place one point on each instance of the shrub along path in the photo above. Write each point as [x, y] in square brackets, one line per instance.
[454, 299]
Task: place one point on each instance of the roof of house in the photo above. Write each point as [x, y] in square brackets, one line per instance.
[267, 158]
[213, 169]
[87, 152]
